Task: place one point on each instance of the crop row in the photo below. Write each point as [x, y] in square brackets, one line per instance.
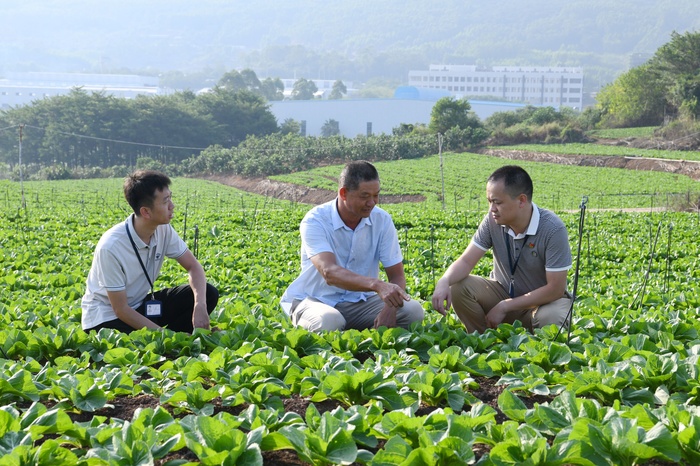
[622, 390]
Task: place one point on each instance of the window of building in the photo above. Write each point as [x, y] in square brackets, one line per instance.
[574, 99]
[575, 90]
[461, 79]
[575, 81]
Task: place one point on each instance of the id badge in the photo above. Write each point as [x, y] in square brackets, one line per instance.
[153, 308]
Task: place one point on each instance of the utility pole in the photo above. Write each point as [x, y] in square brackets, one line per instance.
[21, 181]
[442, 173]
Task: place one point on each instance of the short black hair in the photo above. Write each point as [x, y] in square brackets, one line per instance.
[515, 180]
[355, 173]
[140, 188]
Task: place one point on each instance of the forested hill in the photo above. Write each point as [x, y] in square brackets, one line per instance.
[349, 39]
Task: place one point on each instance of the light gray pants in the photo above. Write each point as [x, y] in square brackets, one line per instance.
[315, 316]
[474, 297]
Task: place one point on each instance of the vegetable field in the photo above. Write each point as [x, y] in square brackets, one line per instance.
[624, 390]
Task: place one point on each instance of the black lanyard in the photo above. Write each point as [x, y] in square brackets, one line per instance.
[513, 263]
[138, 256]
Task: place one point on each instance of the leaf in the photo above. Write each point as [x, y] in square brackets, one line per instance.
[512, 406]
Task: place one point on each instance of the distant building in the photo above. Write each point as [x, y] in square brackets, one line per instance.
[410, 105]
[542, 86]
[23, 88]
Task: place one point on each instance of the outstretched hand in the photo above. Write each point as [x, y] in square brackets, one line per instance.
[442, 297]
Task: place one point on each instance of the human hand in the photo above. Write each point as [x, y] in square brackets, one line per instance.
[392, 294]
[442, 297]
[497, 314]
[386, 317]
[200, 316]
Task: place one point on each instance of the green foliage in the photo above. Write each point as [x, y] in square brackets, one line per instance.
[331, 127]
[667, 84]
[622, 391]
[338, 91]
[448, 113]
[535, 125]
[304, 89]
[634, 99]
[63, 134]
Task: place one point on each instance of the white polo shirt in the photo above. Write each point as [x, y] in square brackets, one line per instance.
[115, 267]
[374, 240]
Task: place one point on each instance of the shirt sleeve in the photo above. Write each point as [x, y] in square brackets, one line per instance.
[174, 246]
[109, 271]
[558, 251]
[314, 239]
[389, 248]
[482, 237]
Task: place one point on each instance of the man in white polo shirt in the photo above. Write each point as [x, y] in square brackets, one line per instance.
[128, 259]
[531, 259]
[342, 243]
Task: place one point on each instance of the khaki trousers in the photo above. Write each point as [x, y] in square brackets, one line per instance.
[474, 297]
[315, 316]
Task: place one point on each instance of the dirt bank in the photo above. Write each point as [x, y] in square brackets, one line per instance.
[681, 167]
[306, 195]
[296, 193]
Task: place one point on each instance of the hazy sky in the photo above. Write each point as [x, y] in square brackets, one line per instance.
[94, 35]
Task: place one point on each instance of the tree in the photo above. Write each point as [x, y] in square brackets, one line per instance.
[330, 128]
[304, 89]
[449, 112]
[247, 80]
[272, 89]
[290, 126]
[675, 66]
[668, 84]
[237, 114]
[239, 81]
[633, 99]
[338, 91]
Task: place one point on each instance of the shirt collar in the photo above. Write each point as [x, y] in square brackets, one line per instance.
[531, 228]
[137, 239]
[338, 222]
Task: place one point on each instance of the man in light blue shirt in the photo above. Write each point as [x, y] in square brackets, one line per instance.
[342, 243]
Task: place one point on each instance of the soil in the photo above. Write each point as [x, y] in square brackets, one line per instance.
[297, 193]
[315, 196]
[125, 407]
[681, 167]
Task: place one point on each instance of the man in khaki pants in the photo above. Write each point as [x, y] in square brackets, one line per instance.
[531, 259]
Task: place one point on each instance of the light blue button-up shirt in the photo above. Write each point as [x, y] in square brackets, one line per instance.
[374, 240]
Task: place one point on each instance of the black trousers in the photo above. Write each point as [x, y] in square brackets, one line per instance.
[176, 309]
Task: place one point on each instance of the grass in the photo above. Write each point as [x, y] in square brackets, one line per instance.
[621, 133]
